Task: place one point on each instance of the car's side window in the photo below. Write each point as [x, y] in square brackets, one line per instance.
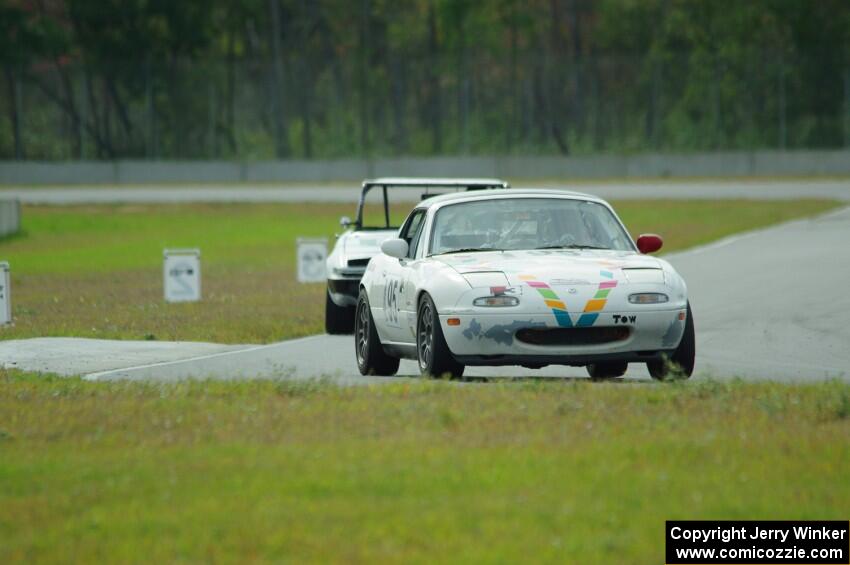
[417, 239]
[411, 228]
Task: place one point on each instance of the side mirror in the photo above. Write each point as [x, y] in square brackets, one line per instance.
[395, 248]
[649, 243]
[345, 221]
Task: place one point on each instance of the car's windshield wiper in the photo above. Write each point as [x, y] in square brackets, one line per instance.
[572, 246]
[468, 250]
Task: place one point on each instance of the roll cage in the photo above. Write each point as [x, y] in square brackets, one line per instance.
[384, 183]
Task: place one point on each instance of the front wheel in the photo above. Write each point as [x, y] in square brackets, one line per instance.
[680, 365]
[435, 359]
[371, 357]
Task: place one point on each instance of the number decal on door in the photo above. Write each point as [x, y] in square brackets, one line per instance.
[391, 302]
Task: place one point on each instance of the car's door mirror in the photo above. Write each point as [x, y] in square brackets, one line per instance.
[649, 243]
[395, 248]
[345, 221]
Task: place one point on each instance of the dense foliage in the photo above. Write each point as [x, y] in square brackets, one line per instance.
[339, 78]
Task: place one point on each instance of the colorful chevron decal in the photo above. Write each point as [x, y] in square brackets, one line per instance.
[551, 299]
[559, 309]
[597, 303]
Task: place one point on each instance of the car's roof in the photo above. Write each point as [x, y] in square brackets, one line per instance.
[435, 182]
[512, 193]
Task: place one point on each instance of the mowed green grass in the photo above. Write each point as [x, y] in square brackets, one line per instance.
[409, 472]
[96, 271]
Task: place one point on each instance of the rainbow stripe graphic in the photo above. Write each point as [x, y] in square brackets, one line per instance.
[597, 303]
[551, 299]
[559, 309]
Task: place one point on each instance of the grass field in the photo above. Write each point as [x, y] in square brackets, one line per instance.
[96, 271]
[271, 471]
[417, 472]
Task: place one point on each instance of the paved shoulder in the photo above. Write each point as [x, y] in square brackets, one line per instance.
[80, 356]
[314, 357]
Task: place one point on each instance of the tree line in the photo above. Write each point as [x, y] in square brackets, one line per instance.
[259, 79]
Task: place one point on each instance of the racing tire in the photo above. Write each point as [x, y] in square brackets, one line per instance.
[607, 370]
[339, 320]
[432, 353]
[680, 365]
[371, 357]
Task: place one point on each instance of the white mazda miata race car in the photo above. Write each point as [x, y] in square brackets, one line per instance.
[521, 277]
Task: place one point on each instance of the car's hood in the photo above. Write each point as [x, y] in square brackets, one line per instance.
[366, 243]
[572, 268]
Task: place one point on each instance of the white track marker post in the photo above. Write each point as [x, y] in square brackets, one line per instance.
[181, 273]
[5, 294]
[312, 254]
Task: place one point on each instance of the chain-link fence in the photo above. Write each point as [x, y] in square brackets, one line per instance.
[420, 106]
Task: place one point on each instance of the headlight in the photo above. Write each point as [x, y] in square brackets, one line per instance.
[496, 301]
[648, 298]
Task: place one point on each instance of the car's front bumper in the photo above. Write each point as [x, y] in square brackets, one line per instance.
[344, 292]
[491, 339]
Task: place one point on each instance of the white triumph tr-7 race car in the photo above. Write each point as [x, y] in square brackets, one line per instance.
[521, 277]
[362, 238]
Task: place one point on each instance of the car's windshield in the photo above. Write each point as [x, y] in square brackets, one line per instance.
[527, 223]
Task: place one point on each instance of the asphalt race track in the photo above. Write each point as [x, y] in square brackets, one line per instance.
[770, 304]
